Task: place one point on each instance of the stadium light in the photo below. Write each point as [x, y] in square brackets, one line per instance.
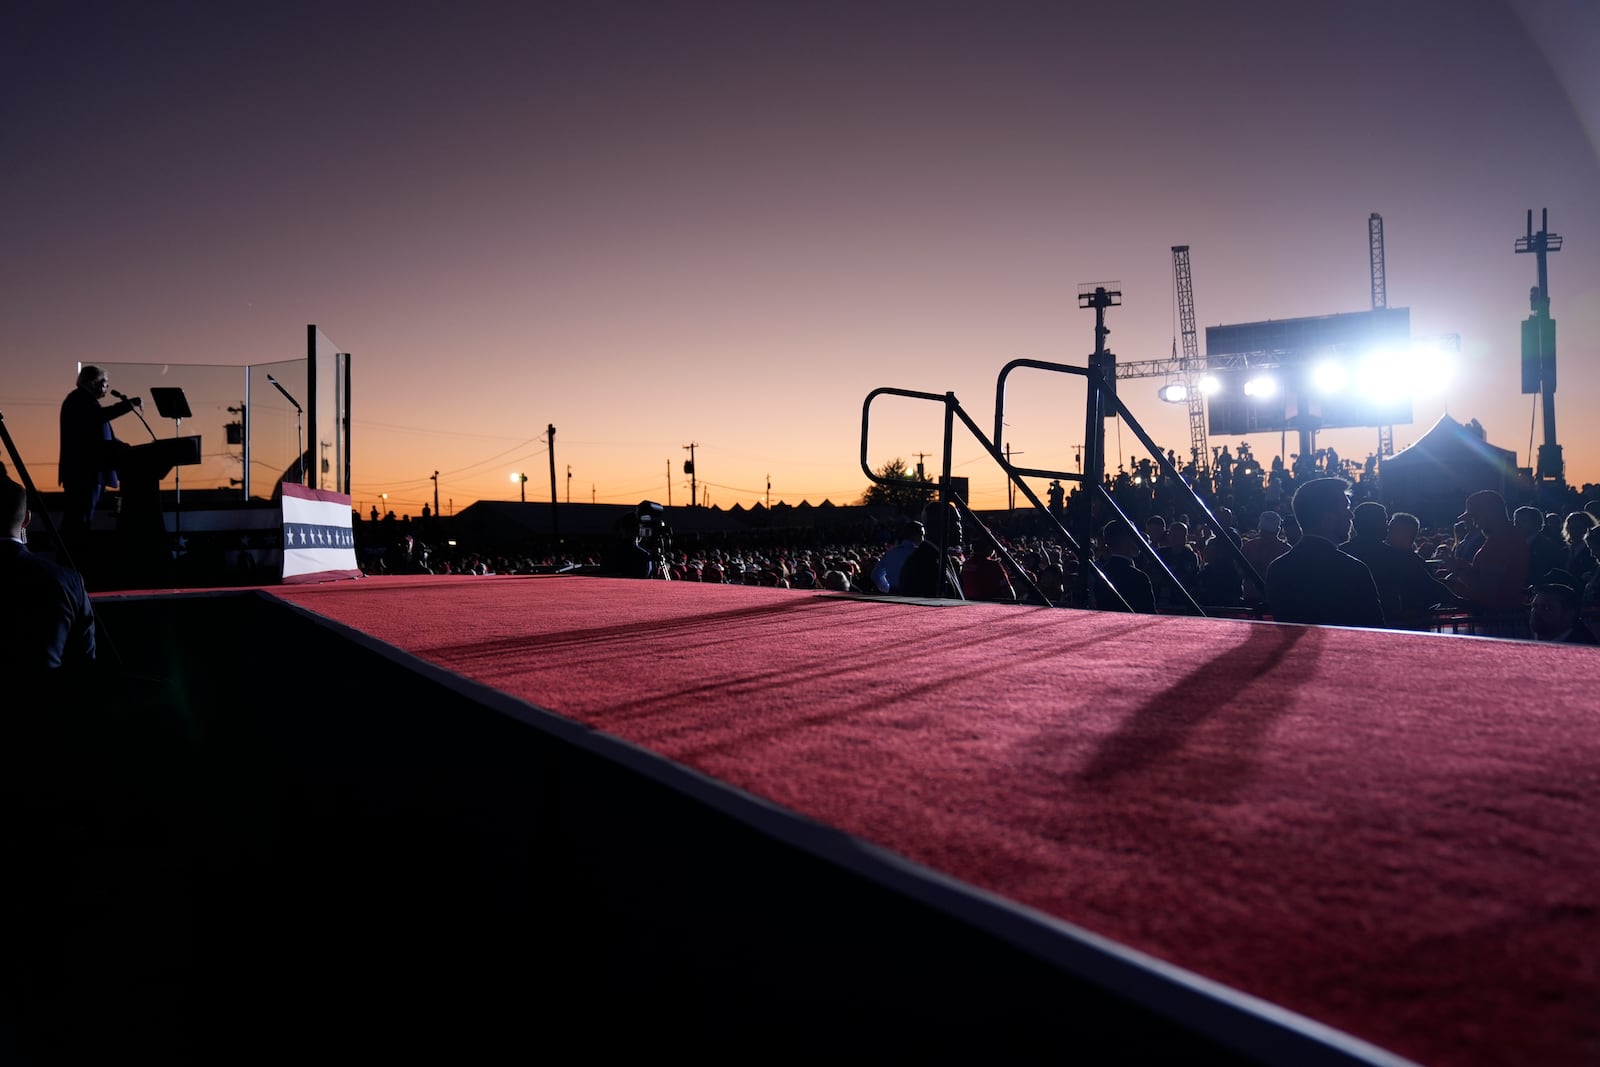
[1261, 388]
[1421, 368]
[1173, 393]
[1382, 376]
[1329, 377]
[1430, 368]
[1210, 385]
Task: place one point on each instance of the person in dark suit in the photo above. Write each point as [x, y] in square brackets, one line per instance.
[1120, 543]
[1406, 589]
[932, 569]
[87, 448]
[1546, 553]
[1553, 617]
[1314, 582]
[48, 623]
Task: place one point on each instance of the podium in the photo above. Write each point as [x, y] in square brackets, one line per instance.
[140, 469]
[141, 525]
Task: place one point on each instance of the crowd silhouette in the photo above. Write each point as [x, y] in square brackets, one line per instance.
[1350, 561]
[1176, 554]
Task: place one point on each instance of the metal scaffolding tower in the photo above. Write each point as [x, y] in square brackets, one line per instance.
[1191, 366]
[1380, 287]
[1380, 299]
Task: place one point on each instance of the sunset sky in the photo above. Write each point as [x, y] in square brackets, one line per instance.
[651, 224]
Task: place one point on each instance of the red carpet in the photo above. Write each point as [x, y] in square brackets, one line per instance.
[1389, 833]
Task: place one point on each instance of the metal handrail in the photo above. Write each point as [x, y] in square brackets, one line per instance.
[1097, 383]
[1100, 391]
[953, 410]
[999, 412]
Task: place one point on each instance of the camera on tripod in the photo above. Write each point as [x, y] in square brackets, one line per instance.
[643, 544]
[654, 535]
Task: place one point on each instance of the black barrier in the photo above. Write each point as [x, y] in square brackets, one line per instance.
[387, 859]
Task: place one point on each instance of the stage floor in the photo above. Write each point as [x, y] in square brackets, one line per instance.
[1389, 833]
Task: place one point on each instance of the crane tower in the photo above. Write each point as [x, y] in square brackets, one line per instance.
[1190, 366]
[1380, 299]
[1380, 286]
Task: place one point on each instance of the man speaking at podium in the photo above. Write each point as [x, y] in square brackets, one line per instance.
[87, 443]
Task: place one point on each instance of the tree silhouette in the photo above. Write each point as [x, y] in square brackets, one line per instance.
[905, 498]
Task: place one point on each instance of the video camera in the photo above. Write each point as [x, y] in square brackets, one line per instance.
[654, 535]
[646, 541]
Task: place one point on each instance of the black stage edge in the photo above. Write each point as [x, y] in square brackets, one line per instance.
[371, 857]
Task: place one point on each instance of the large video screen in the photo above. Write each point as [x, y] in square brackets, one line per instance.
[1328, 372]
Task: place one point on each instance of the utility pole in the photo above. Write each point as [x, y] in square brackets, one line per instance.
[569, 483]
[769, 492]
[1011, 486]
[436, 494]
[669, 483]
[555, 521]
[1539, 346]
[920, 457]
[688, 468]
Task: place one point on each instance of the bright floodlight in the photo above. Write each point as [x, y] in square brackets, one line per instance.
[1328, 377]
[1175, 393]
[1430, 368]
[1261, 388]
[1383, 376]
[1210, 385]
[516, 476]
[1417, 369]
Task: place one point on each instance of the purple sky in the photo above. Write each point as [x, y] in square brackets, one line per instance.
[651, 224]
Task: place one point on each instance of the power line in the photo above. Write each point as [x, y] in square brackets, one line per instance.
[437, 433]
[733, 488]
[499, 457]
[644, 493]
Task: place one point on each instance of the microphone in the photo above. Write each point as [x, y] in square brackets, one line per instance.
[119, 396]
[279, 387]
